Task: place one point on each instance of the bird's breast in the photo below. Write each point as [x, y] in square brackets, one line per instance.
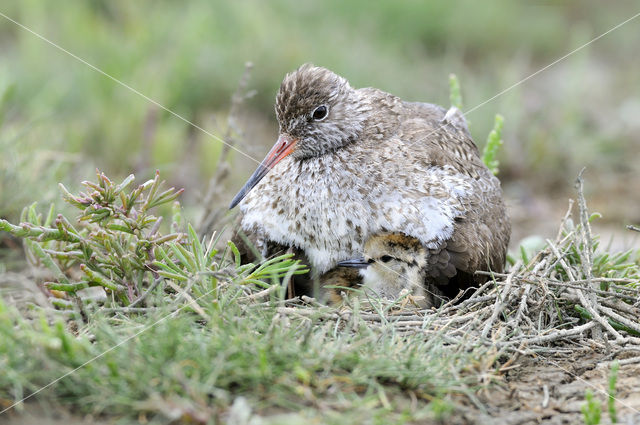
[310, 205]
[329, 206]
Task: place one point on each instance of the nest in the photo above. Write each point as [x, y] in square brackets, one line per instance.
[553, 304]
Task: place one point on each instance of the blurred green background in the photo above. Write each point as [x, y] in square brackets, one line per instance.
[59, 119]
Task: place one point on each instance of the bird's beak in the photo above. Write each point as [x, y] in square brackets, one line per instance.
[358, 263]
[283, 147]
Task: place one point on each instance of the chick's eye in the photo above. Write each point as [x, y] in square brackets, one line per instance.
[320, 113]
[385, 258]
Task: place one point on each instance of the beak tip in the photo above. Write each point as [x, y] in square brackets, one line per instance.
[357, 263]
[236, 200]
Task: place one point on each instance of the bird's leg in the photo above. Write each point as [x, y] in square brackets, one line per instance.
[300, 284]
[291, 285]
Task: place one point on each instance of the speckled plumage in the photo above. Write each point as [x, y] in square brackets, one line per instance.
[394, 263]
[376, 164]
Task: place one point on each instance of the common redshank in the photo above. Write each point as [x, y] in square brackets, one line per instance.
[351, 163]
[393, 264]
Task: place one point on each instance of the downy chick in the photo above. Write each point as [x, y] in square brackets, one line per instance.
[393, 263]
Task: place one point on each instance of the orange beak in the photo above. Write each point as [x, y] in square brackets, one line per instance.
[283, 147]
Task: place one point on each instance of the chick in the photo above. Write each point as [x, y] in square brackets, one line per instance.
[394, 264]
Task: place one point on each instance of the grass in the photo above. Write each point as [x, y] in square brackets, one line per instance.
[611, 400]
[492, 147]
[183, 368]
[179, 333]
[591, 410]
[61, 120]
[200, 337]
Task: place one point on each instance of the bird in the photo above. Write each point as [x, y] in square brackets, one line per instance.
[393, 265]
[351, 163]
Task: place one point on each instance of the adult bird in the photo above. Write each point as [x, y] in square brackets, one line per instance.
[351, 163]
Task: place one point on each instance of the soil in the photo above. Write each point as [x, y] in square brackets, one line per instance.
[552, 391]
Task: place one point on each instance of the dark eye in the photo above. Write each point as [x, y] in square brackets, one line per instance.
[320, 113]
[370, 260]
[386, 258]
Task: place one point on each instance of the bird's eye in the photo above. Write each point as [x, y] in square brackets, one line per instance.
[320, 113]
[370, 260]
[386, 258]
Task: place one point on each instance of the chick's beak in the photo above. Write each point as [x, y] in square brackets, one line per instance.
[283, 147]
[358, 263]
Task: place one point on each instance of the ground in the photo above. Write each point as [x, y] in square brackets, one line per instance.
[519, 398]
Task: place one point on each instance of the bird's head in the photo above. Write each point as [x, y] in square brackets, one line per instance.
[391, 257]
[318, 112]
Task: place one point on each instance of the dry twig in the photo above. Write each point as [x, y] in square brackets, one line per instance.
[211, 201]
[532, 308]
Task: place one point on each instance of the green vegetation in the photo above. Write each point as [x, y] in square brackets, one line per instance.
[60, 119]
[179, 333]
[611, 400]
[494, 141]
[591, 409]
[185, 332]
[606, 264]
[117, 244]
[455, 95]
[170, 364]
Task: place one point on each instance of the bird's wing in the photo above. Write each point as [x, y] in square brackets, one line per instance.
[452, 118]
[429, 182]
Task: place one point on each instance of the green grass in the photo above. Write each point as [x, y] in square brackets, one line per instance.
[200, 343]
[179, 365]
[492, 147]
[611, 391]
[61, 119]
[194, 343]
[591, 410]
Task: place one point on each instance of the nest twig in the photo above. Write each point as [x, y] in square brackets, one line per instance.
[555, 300]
